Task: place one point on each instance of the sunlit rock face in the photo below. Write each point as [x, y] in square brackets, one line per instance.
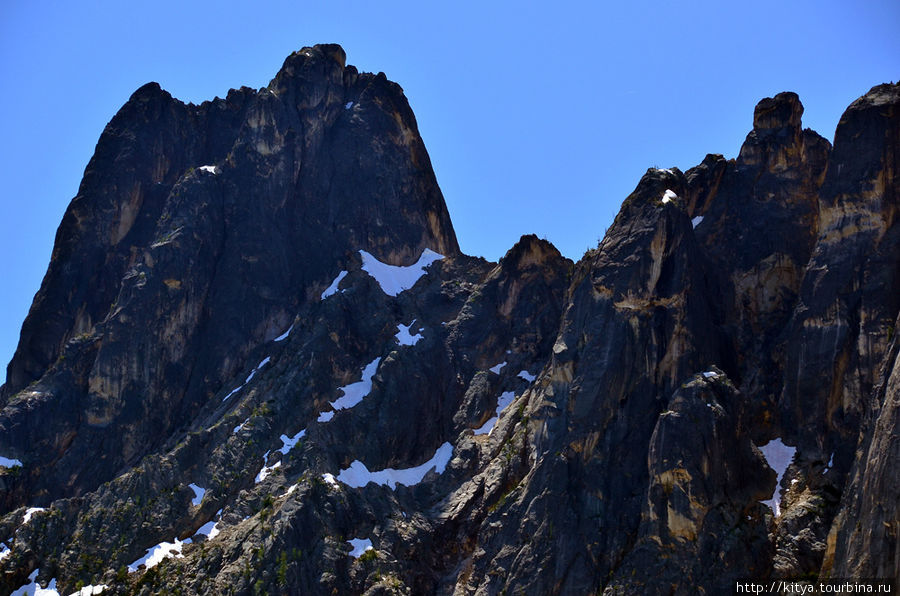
[260, 363]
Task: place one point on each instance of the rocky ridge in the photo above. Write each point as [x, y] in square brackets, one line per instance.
[259, 350]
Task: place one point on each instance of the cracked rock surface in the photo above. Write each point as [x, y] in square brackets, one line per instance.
[259, 362]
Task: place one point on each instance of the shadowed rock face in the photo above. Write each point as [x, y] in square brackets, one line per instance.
[637, 323]
[838, 335]
[706, 481]
[863, 539]
[242, 341]
[848, 300]
[759, 219]
[858, 261]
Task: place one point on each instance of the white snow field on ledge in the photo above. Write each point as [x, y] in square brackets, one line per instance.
[155, 554]
[357, 475]
[360, 545]
[503, 401]
[199, 491]
[211, 528]
[32, 588]
[404, 337]
[778, 456]
[6, 462]
[89, 590]
[669, 195]
[266, 469]
[288, 443]
[524, 374]
[249, 377]
[284, 335]
[355, 392]
[333, 288]
[394, 279]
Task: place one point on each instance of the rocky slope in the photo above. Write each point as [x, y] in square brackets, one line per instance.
[259, 363]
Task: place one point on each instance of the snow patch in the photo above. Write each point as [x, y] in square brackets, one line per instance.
[357, 475]
[31, 511]
[526, 375]
[778, 456]
[253, 372]
[360, 545]
[288, 443]
[668, 196]
[325, 416]
[240, 426]
[32, 588]
[355, 392]
[348, 105]
[503, 401]
[329, 479]
[4, 551]
[233, 391]
[262, 363]
[199, 491]
[155, 554]
[6, 462]
[90, 590]
[333, 288]
[50, 590]
[394, 279]
[210, 529]
[496, 369]
[210, 169]
[266, 469]
[697, 221]
[710, 374]
[284, 335]
[404, 338]
[29, 586]
[487, 427]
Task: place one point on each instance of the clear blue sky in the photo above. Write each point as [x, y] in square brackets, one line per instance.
[539, 117]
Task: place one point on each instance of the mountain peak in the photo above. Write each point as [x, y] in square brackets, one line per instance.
[774, 113]
[248, 371]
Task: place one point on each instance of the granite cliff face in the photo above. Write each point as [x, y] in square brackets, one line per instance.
[260, 363]
[196, 234]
